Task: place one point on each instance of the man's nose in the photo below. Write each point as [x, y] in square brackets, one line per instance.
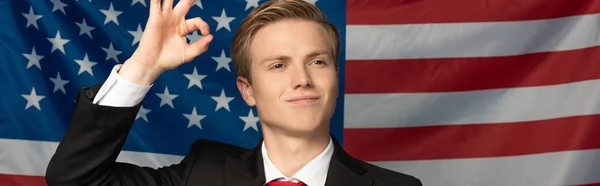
[301, 77]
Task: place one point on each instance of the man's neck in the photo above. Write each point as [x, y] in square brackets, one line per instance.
[290, 154]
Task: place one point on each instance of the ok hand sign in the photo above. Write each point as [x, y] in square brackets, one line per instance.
[163, 45]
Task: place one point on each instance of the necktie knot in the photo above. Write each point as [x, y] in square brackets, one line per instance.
[285, 183]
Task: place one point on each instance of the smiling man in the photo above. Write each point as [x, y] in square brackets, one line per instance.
[285, 55]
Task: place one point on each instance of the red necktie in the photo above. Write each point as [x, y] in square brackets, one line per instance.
[285, 183]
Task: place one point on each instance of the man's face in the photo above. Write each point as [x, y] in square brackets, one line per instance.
[294, 78]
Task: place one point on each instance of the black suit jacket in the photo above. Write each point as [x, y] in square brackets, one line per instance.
[87, 153]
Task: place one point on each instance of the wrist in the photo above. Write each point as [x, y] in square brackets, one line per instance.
[138, 73]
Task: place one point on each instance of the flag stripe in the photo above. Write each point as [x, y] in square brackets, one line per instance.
[475, 93]
[21, 180]
[474, 141]
[557, 168]
[440, 11]
[591, 184]
[28, 157]
[580, 170]
[465, 74]
[488, 39]
[486, 106]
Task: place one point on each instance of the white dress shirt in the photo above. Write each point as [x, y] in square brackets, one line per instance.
[123, 93]
[312, 174]
[119, 92]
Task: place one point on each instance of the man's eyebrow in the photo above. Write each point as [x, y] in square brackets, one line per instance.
[275, 57]
[287, 58]
[317, 53]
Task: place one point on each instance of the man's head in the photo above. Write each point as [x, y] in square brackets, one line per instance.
[285, 54]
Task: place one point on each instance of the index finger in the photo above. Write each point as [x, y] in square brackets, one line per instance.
[196, 24]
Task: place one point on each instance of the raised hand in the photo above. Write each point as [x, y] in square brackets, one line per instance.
[163, 45]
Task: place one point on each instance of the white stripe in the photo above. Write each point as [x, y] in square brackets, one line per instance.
[154, 160]
[471, 39]
[558, 168]
[484, 106]
[25, 157]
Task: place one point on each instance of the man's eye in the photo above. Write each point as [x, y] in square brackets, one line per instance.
[278, 66]
[319, 62]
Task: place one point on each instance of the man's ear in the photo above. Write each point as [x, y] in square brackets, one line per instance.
[246, 90]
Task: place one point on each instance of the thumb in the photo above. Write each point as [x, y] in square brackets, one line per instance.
[195, 49]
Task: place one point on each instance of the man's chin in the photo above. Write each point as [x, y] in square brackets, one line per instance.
[298, 123]
[307, 126]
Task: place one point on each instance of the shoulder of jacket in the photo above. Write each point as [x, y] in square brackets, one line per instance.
[384, 175]
[207, 148]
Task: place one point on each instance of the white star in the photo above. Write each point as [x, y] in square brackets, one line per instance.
[59, 83]
[137, 35]
[58, 43]
[58, 5]
[199, 4]
[33, 99]
[142, 113]
[85, 65]
[34, 59]
[193, 37]
[111, 53]
[250, 121]
[195, 79]
[314, 2]
[222, 101]
[111, 15]
[166, 98]
[251, 3]
[222, 61]
[32, 18]
[223, 21]
[84, 28]
[194, 118]
[143, 2]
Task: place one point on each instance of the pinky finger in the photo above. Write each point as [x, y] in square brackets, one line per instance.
[155, 6]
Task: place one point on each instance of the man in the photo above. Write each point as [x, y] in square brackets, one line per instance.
[285, 56]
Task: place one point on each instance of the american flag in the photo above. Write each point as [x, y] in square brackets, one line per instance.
[453, 92]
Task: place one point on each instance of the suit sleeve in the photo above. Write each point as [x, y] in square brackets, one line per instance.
[87, 153]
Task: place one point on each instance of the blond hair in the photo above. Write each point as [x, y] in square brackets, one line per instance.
[272, 11]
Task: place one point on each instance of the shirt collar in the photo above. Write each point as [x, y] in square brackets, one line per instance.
[314, 173]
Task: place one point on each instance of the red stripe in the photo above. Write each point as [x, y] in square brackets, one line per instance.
[21, 180]
[473, 141]
[447, 11]
[463, 74]
[591, 184]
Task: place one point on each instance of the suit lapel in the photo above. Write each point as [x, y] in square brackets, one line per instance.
[345, 170]
[246, 169]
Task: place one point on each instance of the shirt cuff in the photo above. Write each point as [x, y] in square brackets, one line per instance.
[120, 92]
